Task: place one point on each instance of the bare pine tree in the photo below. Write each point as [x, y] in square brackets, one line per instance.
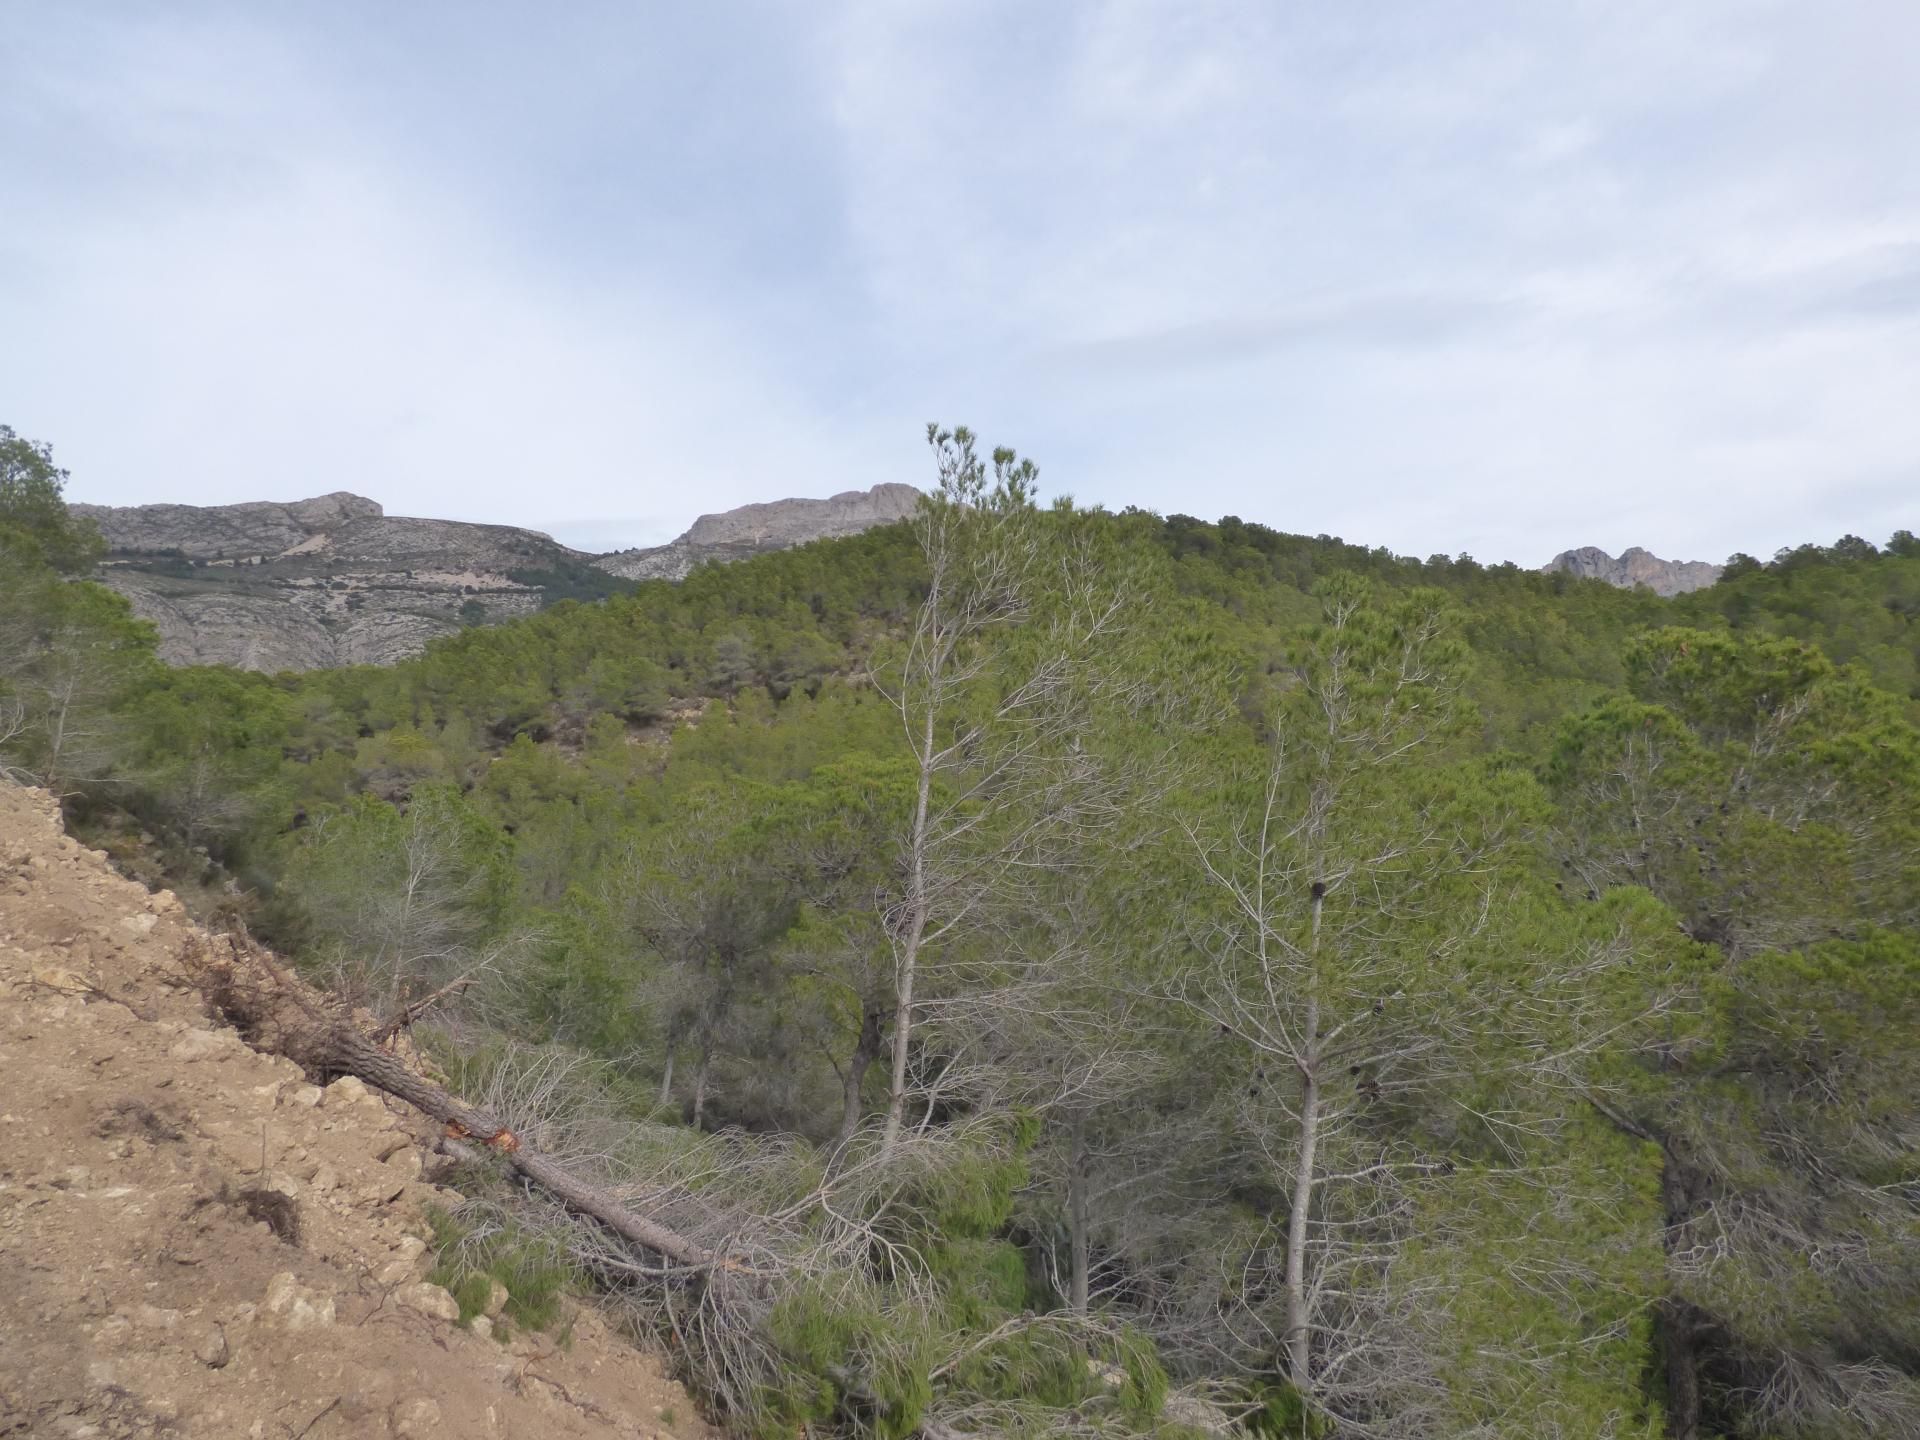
[1018, 609]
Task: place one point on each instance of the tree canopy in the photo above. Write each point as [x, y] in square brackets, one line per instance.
[1122, 974]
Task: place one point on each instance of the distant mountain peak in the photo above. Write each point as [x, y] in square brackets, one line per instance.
[1634, 566]
[768, 525]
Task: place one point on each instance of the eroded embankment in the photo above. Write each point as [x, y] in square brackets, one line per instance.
[194, 1241]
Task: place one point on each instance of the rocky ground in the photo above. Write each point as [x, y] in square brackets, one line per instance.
[195, 1241]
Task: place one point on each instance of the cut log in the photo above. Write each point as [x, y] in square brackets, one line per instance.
[279, 1012]
[344, 1050]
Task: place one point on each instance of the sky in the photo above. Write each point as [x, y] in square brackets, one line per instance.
[1493, 278]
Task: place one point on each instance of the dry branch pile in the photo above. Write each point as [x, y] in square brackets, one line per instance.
[730, 1244]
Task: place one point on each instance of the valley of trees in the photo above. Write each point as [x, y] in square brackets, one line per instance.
[1092, 974]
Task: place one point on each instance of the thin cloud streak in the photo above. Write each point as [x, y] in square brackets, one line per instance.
[1411, 321]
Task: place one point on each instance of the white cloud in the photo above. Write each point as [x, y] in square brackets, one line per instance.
[1442, 277]
[327, 324]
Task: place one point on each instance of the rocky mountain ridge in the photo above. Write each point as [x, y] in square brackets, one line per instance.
[227, 532]
[754, 529]
[1635, 566]
[335, 580]
[315, 583]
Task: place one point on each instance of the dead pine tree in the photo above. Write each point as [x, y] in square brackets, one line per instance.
[1013, 632]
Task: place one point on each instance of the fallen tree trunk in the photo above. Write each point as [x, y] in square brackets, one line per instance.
[281, 1013]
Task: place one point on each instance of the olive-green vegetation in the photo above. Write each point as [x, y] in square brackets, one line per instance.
[1113, 974]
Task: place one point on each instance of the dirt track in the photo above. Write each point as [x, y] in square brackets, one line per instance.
[142, 1293]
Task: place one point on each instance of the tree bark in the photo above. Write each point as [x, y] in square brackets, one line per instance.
[865, 1051]
[1680, 1354]
[1299, 1336]
[1681, 1191]
[1077, 1216]
[910, 944]
[666, 1077]
[338, 1048]
[700, 1083]
[1678, 1323]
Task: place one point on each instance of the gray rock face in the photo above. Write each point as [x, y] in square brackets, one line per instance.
[253, 632]
[315, 583]
[755, 529]
[216, 532]
[337, 581]
[1635, 567]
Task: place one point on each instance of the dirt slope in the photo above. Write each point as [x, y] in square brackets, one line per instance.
[141, 1293]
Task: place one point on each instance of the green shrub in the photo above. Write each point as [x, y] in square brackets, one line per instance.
[535, 1269]
[852, 1359]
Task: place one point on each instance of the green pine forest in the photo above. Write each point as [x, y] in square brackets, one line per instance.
[1113, 974]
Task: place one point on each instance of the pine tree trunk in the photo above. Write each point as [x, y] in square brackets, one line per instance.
[910, 945]
[1299, 1336]
[1681, 1191]
[700, 1083]
[865, 1051]
[284, 1017]
[1077, 1217]
[1679, 1352]
[666, 1078]
[1678, 1324]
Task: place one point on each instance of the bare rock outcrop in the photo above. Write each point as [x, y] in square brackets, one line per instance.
[228, 626]
[1635, 567]
[217, 532]
[755, 529]
[335, 580]
[329, 581]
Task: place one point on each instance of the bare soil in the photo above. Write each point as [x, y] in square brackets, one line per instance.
[195, 1241]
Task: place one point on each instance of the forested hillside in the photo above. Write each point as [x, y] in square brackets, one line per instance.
[1113, 974]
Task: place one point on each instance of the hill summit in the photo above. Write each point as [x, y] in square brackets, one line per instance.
[754, 529]
[1635, 567]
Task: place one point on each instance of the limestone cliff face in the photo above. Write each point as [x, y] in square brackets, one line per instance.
[1635, 567]
[226, 532]
[335, 580]
[316, 583]
[755, 529]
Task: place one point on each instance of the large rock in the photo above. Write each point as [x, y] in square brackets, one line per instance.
[430, 1300]
[1635, 567]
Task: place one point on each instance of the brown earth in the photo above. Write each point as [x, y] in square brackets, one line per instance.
[194, 1241]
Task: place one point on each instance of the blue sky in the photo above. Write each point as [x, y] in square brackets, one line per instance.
[1493, 277]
